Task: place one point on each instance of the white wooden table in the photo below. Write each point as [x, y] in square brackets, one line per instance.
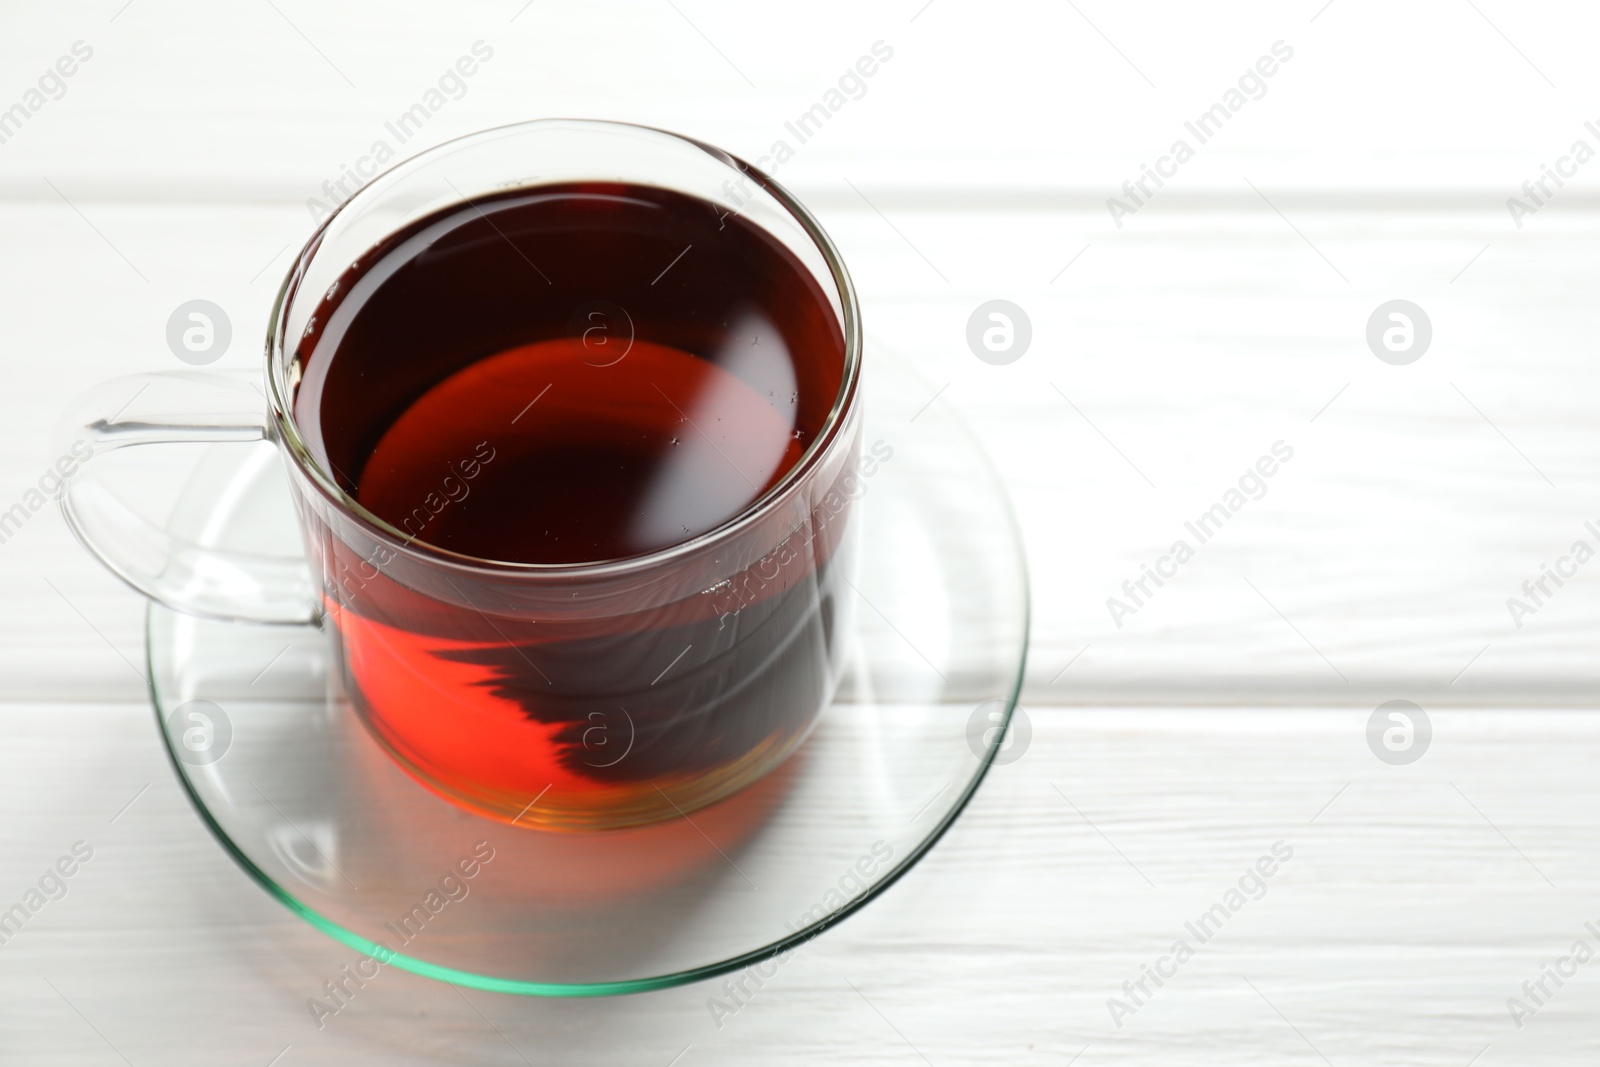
[1227, 714]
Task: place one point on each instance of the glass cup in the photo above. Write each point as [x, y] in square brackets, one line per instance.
[564, 696]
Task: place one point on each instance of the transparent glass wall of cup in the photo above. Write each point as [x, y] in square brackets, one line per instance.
[572, 696]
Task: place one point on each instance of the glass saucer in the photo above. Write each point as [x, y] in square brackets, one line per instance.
[308, 803]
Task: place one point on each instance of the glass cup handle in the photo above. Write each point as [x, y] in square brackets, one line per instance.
[168, 408]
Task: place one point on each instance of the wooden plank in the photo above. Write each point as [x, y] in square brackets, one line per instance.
[1164, 364]
[1397, 929]
[185, 101]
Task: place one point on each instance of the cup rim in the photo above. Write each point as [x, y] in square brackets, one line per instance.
[280, 396]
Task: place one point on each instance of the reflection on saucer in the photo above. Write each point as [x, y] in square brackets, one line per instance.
[321, 815]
